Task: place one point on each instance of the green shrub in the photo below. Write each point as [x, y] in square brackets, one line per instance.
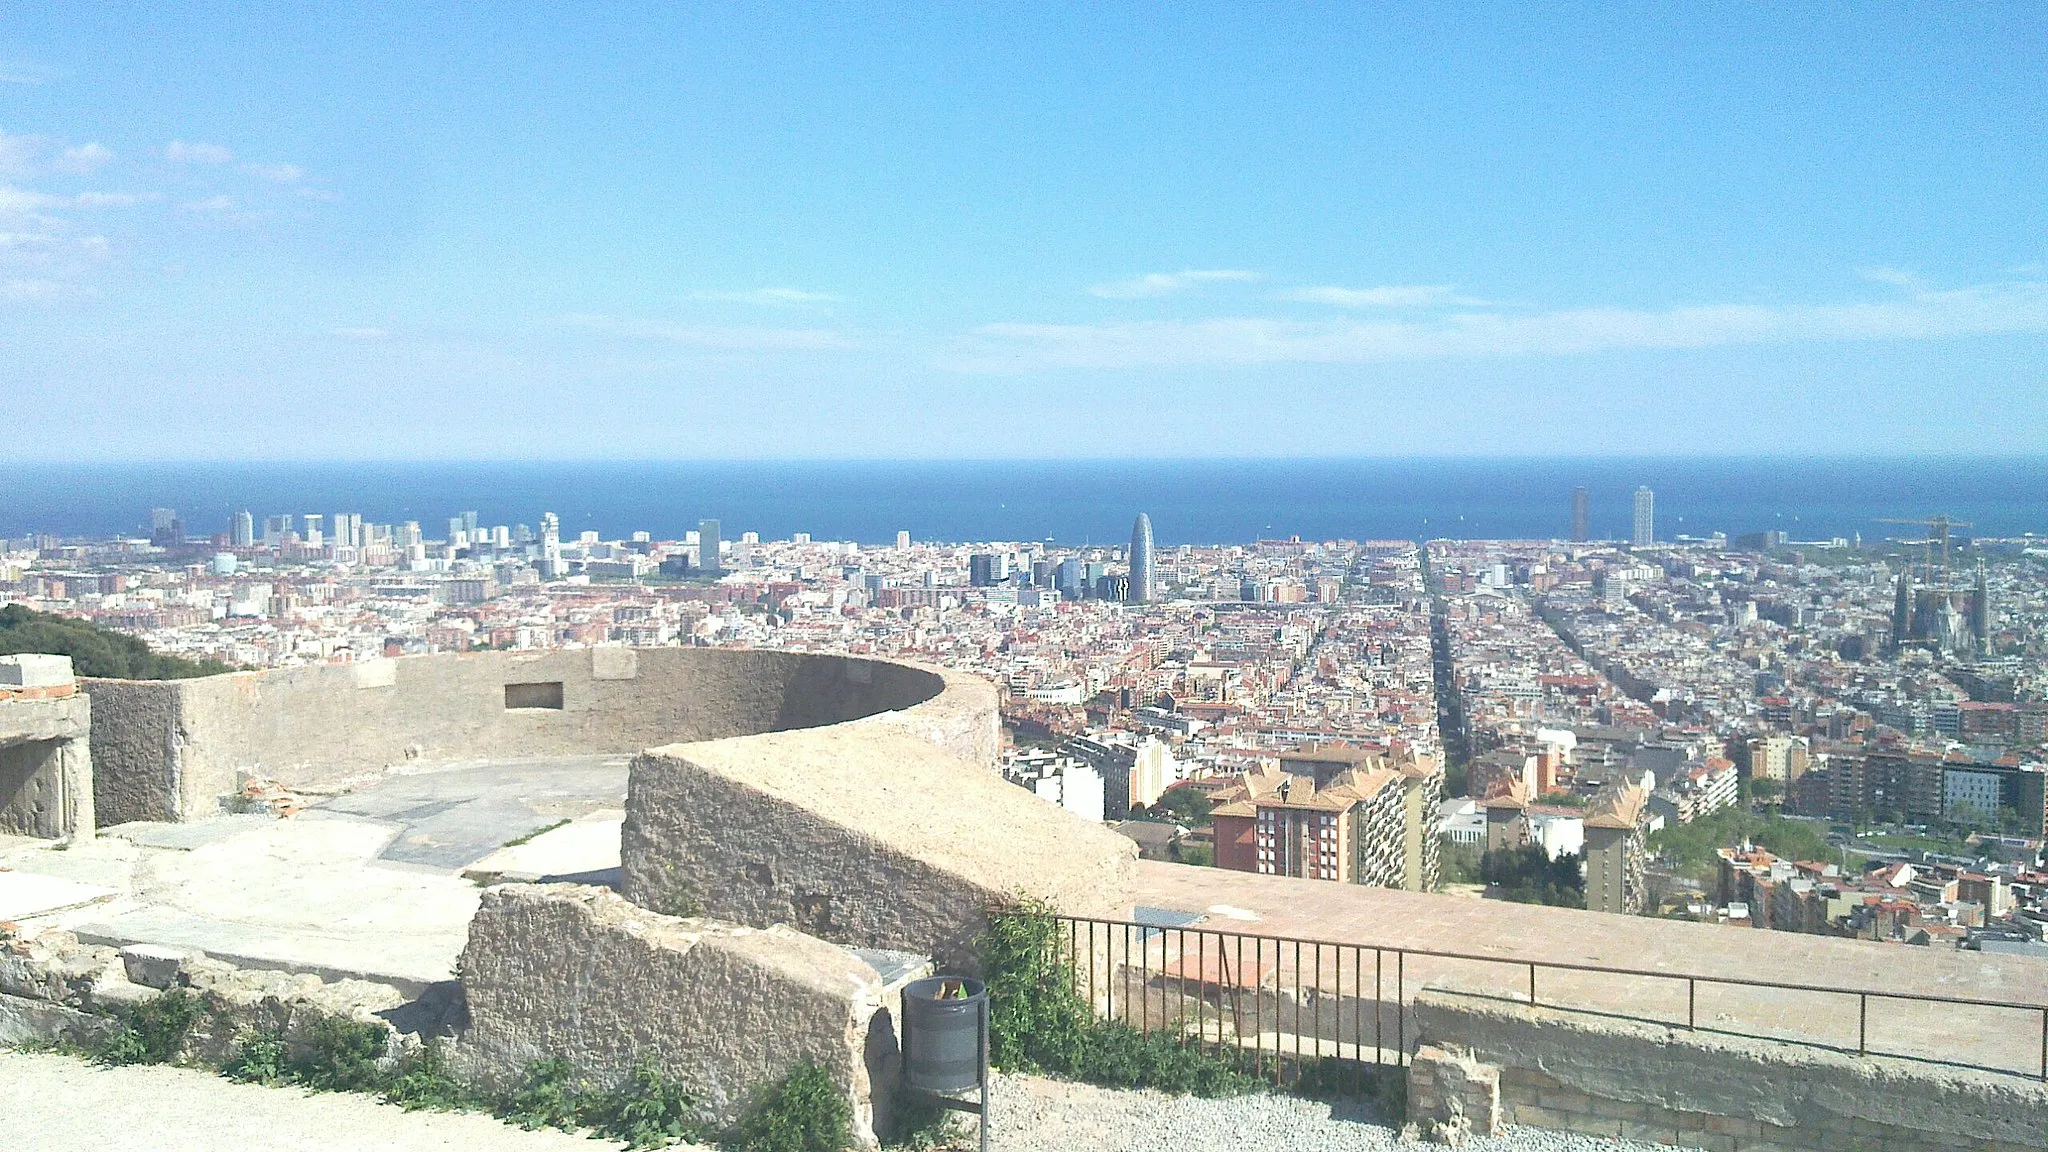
[341, 1055]
[545, 1099]
[151, 1032]
[422, 1080]
[805, 1113]
[94, 651]
[261, 1058]
[1039, 1023]
[650, 1111]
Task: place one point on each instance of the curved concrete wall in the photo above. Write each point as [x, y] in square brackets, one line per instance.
[168, 750]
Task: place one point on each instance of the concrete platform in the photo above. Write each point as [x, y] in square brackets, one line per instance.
[1352, 916]
[368, 883]
[26, 894]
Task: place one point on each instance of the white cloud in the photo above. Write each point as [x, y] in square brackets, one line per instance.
[769, 296]
[1896, 277]
[22, 72]
[1388, 296]
[1166, 283]
[18, 154]
[84, 159]
[2019, 305]
[179, 152]
[276, 173]
[31, 291]
[24, 201]
[112, 199]
[212, 205]
[729, 338]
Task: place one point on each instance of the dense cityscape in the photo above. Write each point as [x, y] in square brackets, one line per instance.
[1840, 736]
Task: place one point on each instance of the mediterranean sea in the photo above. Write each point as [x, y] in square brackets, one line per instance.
[1069, 502]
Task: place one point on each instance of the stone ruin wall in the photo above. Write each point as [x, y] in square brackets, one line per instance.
[170, 750]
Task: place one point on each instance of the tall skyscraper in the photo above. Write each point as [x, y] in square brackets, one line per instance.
[1071, 578]
[1580, 530]
[243, 534]
[988, 569]
[166, 530]
[707, 548]
[1142, 585]
[1646, 519]
[903, 541]
[1902, 609]
[550, 546]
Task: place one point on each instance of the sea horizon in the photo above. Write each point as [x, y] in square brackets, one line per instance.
[1069, 501]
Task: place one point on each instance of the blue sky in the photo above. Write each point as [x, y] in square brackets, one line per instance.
[261, 231]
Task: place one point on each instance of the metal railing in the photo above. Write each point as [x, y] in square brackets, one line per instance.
[1285, 1005]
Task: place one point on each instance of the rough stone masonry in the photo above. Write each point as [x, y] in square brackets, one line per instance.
[577, 973]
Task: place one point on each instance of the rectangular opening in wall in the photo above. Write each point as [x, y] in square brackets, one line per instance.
[548, 695]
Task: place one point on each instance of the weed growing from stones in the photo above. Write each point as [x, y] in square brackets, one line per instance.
[151, 1032]
[545, 1099]
[805, 1113]
[650, 1111]
[423, 1080]
[1039, 1023]
[260, 1058]
[516, 841]
[341, 1055]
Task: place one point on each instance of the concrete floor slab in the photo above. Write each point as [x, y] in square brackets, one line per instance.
[579, 847]
[26, 894]
[190, 835]
[454, 815]
[364, 884]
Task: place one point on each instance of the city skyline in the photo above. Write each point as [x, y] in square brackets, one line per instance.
[719, 235]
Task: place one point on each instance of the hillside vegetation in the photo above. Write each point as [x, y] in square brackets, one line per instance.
[94, 651]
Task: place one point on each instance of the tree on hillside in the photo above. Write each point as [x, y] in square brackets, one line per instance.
[1527, 875]
[94, 651]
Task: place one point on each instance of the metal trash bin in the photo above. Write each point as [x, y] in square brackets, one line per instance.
[945, 1042]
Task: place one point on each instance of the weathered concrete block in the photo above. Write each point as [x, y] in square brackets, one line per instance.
[35, 670]
[1452, 1096]
[859, 835]
[1746, 1089]
[614, 664]
[581, 974]
[114, 993]
[25, 1021]
[155, 965]
[53, 967]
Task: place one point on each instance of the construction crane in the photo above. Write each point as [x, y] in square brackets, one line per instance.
[1937, 528]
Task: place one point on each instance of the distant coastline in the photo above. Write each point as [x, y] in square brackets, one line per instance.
[1073, 502]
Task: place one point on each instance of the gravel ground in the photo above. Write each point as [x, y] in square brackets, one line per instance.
[1033, 1114]
[52, 1103]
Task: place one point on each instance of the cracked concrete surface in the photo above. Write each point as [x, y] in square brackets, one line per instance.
[368, 883]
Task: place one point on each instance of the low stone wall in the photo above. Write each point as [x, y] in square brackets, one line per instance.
[169, 750]
[864, 837]
[1610, 1077]
[55, 988]
[580, 974]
